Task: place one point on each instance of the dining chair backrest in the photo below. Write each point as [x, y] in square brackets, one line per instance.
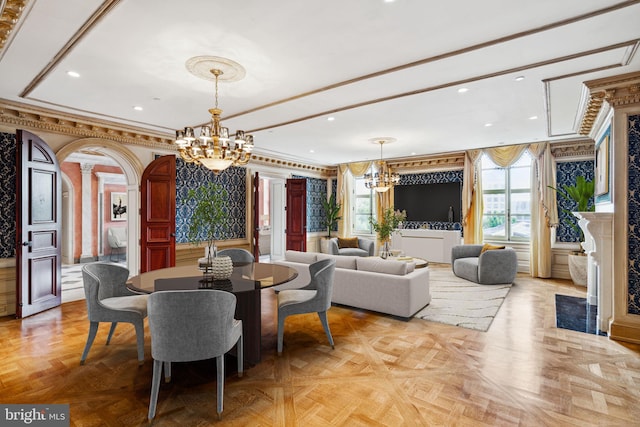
[191, 325]
[102, 281]
[237, 255]
[322, 273]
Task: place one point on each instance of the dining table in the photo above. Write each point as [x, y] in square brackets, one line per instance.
[246, 283]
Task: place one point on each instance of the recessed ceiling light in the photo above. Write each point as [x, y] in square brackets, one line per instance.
[73, 74]
[488, 125]
[463, 90]
[389, 1]
[312, 151]
[331, 118]
[137, 108]
[533, 118]
[413, 153]
[519, 78]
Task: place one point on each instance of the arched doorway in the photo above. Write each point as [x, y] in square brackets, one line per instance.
[132, 169]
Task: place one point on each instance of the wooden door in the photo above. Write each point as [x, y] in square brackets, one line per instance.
[38, 226]
[158, 215]
[256, 217]
[297, 214]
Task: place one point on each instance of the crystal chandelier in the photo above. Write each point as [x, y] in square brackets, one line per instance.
[384, 179]
[213, 148]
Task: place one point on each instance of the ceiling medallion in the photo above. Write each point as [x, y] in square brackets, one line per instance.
[213, 148]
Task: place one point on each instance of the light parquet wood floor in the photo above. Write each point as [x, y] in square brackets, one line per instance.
[383, 372]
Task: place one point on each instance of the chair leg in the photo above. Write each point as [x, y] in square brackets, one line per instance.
[280, 332]
[325, 324]
[111, 331]
[240, 351]
[167, 372]
[220, 377]
[140, 340]
[155, 387]
[93, 329]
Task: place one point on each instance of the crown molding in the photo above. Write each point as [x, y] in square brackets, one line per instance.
[617, 91]
[10, 13]
[433, 163]
[573, 150]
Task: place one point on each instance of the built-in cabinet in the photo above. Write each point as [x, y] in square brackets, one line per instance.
[432, 245]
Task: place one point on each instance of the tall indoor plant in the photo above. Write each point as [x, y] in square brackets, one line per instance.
[579, 195]
[331, 213]
[384, 227]
[209, 216]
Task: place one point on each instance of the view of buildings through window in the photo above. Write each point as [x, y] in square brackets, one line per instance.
[364, 208]
[507, 200]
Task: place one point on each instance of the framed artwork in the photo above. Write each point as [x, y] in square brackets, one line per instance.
[602, 169]
[118, 206]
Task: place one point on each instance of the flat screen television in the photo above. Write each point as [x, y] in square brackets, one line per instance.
[429, 202]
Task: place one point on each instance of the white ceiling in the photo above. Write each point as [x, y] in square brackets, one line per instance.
[381, 69]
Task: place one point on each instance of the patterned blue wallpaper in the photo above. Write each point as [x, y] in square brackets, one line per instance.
[8, 195]
[233, 179]
[433, 178]
[316, 191]
[566, 173]
[633, 205]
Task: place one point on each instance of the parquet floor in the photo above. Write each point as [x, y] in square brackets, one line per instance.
[383, 372]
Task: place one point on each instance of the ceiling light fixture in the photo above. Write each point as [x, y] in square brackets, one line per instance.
[463, 90]
[384, 179]
[213, 148]
[519, 78]
[72, 73]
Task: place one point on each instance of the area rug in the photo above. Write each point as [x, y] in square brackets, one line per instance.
[458, 302]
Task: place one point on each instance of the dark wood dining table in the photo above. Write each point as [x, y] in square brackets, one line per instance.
[246, 283]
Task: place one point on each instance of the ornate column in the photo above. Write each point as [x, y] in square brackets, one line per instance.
[87, 213]
[599, 226]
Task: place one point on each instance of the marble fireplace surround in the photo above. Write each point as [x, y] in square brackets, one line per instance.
[598, 244]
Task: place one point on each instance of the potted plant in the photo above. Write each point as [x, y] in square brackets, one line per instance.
[579, 195]
[385, 226]
[331, 213]
[208, 218]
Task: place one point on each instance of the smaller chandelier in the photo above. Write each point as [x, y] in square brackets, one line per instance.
[213, 148]
[384, 179]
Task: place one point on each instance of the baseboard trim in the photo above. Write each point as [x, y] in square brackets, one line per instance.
[624, 332]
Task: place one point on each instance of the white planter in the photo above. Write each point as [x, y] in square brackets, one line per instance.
[578, 269]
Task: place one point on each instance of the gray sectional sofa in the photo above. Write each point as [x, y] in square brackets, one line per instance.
[371, 283]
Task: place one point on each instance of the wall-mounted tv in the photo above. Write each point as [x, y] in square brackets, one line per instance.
[429, 202]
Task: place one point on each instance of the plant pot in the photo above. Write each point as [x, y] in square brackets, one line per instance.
[578, 268]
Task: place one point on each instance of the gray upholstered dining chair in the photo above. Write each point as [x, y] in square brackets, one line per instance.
[188, 326]
[109, 300]
[237, 255]
[314, 297]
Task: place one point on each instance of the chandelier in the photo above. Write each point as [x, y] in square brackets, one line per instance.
[384, 179]
[213, 147]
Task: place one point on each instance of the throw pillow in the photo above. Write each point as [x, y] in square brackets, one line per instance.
[347, 242]
[488, 247]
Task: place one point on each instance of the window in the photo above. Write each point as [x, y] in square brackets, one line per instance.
[364, 208]
[507, 200]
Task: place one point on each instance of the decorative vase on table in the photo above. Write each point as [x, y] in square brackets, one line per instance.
[385, 250]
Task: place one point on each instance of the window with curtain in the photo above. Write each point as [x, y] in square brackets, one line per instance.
[507, 199]
[364, 208]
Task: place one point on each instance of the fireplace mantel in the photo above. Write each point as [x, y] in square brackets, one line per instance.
[598, 232]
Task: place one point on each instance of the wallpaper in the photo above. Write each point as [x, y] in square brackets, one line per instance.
[316, 191]
[433, 178]
[8, 195]
[566, 173]
[634, 214]
[233, 179]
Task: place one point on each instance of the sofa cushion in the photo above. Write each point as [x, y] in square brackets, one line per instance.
[467, 268]
[489, 247]
[303, 257]
[347, 242]
[341, 261]
[353, 252]
[379, 265]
